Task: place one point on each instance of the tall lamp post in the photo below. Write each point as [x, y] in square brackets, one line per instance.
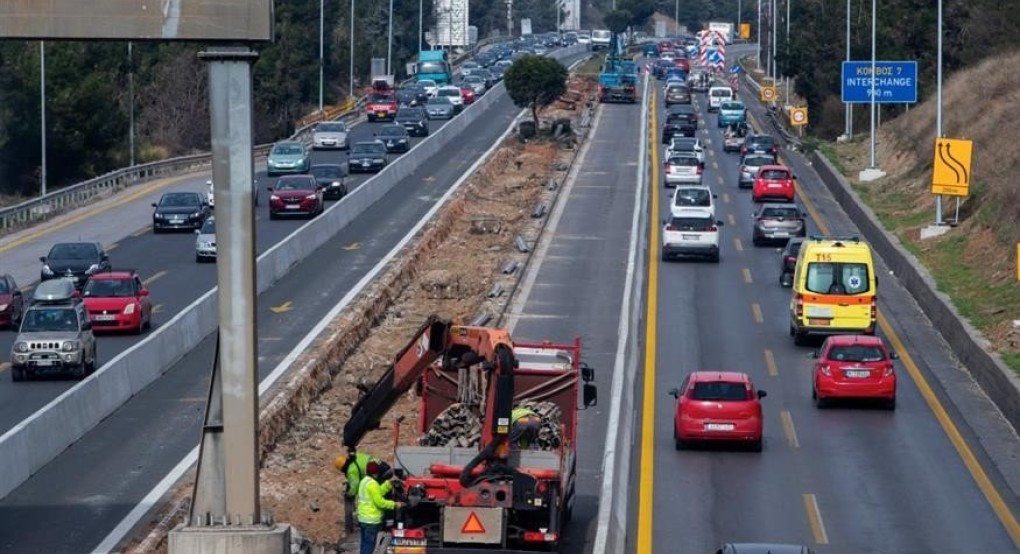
[849, 131]
[351, 76]
[874, 25]
[759, 35]
[389, 45]
[676, 18]
[421, 22]
[131, 105]
[42, 111]
[938, 113]
[322, 49]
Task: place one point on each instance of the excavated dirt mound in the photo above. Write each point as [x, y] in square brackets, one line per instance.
[457, 267]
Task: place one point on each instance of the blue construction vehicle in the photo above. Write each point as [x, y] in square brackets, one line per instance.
[618, 80]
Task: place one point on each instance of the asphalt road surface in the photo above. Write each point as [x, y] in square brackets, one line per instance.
[849, 479]
[91, 486]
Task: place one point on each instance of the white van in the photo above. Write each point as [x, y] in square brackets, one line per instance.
[600, 39]
[718, 95]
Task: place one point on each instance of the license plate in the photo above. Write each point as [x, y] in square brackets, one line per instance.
[106, 317]
[689, 237]
[781, 234]
[857, 374]
[774, 185]
[819, 311]
[380, 114]
[823, 322]
[44, 363]
[719, 426]
[294, 207]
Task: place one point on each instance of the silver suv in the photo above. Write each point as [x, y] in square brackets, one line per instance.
[55, 335]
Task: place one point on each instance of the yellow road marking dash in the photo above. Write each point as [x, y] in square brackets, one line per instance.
[738, 245]
[747, 275]
[815, 519]
[142, 231]
[756, 310]
[788, 430]
[155, 277]
[770, 363]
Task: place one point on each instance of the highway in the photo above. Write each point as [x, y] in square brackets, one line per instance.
[87, 490]
[579, 287]
[166, 261]
[843, 480]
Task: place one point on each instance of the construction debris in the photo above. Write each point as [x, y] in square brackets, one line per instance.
[460, 425]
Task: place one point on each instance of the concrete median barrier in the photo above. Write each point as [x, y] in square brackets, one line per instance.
[31, 444]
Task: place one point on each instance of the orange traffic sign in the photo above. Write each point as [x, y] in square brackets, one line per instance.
[951, 167]
[472, 525]
[768, 94]
[798, 116]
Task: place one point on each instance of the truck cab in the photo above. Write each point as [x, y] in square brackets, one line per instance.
[434, 65]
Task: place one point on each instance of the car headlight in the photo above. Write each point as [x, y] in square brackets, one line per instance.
[196, 215]
[21, 347]
[46, 270]
[3, 307]
[92, 269]
[335, 184]
[311, 197]
[402, 141]
[69, 346]
[270, 162]
[129, 309]
[274, 197]
[379, 160]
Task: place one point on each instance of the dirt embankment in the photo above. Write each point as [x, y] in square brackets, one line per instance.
[450, 269]
[975, 262]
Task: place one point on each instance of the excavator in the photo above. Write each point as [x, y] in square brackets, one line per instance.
[490, 496]
[618, 80]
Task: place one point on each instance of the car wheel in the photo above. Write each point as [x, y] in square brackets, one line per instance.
[890, 404]
[756, 446]
[820, 403]
[799, 339]
[17, 374]
[80, 372]
[715, 258]
[755, 241]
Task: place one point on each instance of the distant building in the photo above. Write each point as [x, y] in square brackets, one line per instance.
[452, 23]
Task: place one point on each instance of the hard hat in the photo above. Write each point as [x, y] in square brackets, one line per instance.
[340, 462]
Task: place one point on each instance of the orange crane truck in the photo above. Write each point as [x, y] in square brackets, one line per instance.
[466, 488]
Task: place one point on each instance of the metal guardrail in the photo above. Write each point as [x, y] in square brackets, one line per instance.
[36, 210]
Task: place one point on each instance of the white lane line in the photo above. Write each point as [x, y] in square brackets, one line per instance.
[110, 542]
[607, 503]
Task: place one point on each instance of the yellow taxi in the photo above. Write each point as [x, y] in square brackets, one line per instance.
[834, 289]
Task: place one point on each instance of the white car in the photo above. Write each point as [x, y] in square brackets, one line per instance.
[454, 94]
[330, 134]
[718, 95]
[430, 86]
[209, 196]
[693, 196]
[691, 145]
[682, 168]
[691, 232]
[205, 242]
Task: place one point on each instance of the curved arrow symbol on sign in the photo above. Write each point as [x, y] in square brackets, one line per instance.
[963, 168]
[946, 157]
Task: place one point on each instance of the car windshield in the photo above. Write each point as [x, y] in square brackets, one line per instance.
[785, 212]
[760, 141]
[731, 106]
[368, 148]
[209, 227]
[793, 247]
[50, 319]
[683, 146]
[439, 101]
[719, 391]
[837, 278]
[392, 131]
[336, 127]
[176, 200]
[287, 150]
[432, 67]
[449, 92]
[74, 252]
[856, 353]
[693, 197]
[427, 83]
[473, 79]
[326, 171]
[412, 113]
[722, 93]
[109, 288]
[294, 184]
[775, 174]
[691, 223]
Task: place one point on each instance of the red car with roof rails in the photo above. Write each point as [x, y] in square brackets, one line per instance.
[773, 182]
[854, 366]
[117, 301]
[718, 406]
[382, 105]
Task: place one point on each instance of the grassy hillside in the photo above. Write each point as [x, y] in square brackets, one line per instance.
[975, 263]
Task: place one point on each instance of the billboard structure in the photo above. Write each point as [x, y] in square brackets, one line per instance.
[571, 15]
[452, 23]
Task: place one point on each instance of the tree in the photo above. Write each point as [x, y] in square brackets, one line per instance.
[535, 82]
[617, 21]
[640, 11]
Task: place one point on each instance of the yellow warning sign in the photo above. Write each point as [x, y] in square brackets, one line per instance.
[745, 30]
[768, 94]
[472, 525]
[798, 116]
[951, 169]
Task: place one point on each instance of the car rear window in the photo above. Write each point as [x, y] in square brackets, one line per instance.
[764, 142]
[380, 98]
[701, 198]
[720, 391]
[789, 213]
[685, 161]
[776, 174]
[856, 353]
[691, 223]
[731, 106]
[721, 93]
[758, 161]
[837, 278]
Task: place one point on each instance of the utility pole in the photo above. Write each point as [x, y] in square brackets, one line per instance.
[786, 43]
[322, 49]
[421, 22]
[775, 35]
[676, 18]
[938, 110]
[351, 77]
[874, 64]
[849, 131]
[758, 32]
[131, 105]
[389, 45]
[42, 111]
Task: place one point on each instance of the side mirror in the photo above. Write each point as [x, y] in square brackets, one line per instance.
[16, 292]
[663, 221]
[154, 205]
[587, 373]
[87, 326]
[104, 258]
[762, 394]
[143, 292]
[813, 355]
[270, 189]
[803, 214]
[715, 195]
[894, 356]
[198, 232]
[674, 392]
[719, 223]
[42, 259]
[590, 394]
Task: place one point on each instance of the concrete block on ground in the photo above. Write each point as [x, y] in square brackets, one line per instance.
[259, 539]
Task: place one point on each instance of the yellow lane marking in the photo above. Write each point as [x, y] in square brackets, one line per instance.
[111, 246]
[25, 289]
[788, 430]
[814, 516]
[645, 489]
[770, 363]
[142, 231]
[352, 246]
[726, 198]
[747, 275]
[756, 310]
[977, 471]
[731, 219]
[282, 308]
[88, 213]
[5, 366]
[715, 165]
[157, 308]
[718, 179]
[738, 245]
[155, 277]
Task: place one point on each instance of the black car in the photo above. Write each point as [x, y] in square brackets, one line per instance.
[415, 120]
[179, 210]
[74, 260]
[412, 95]
[330, 178]
[678, 125]
[395, 137]
[367, 157]
[788, 262]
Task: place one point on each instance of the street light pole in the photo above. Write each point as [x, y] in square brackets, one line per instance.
[421, 22]
[740, 16]
[676, 18]
[938, 107]
[849, 131]
[786, 44]
[389, 45]
[351, 53]
[775, 35]
[42, 111]
[759, 35]
[322, 35]
[131, 105]
[874, 25]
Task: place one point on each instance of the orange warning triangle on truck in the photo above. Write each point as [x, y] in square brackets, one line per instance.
[473, 525]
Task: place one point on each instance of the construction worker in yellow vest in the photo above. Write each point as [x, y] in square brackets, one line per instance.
[355, 466]
[525, 426]
[372, 502]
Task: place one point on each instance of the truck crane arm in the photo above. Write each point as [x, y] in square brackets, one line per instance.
[428, 344]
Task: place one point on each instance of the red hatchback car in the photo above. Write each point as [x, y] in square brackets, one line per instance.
[718, 406]
[854, 366]
[773, 182]
[296, 195]
[117, 301]
[468, 94]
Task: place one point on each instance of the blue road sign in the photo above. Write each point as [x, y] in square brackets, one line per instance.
[714, 57]
[896, 82]
[735, 69]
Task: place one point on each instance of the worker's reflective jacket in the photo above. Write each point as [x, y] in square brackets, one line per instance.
[355, 472]
[371, 502]
[518, 413]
